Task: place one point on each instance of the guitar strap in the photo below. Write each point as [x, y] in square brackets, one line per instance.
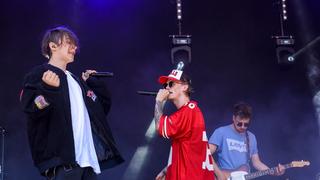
[248, 149]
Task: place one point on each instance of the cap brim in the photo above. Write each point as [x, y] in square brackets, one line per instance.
[164, 79]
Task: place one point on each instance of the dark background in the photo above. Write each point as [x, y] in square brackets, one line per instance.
[233, 59]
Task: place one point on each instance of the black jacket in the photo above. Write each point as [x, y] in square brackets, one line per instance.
[50, 129]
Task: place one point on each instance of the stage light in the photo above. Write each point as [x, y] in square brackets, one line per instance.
[179, 10]
[285, 49]
[284, 43]
[284, 11]
[181, 49]
[284, 40]
[284, 55]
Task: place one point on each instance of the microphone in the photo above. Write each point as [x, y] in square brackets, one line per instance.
[102, 74]
[148, 93]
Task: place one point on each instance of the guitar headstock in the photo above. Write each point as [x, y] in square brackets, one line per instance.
[301, 163]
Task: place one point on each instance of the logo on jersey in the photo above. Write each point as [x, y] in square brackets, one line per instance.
[191, 105]
[236, 145]
[91, 95]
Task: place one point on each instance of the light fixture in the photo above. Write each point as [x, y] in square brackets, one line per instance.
[181, 44]
[284, 43]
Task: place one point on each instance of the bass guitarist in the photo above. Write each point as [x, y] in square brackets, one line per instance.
[235, 146]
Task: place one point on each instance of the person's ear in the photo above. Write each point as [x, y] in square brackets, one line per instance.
[185, 87]
[53, 46]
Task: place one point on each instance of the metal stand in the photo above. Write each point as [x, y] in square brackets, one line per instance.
[2, 132]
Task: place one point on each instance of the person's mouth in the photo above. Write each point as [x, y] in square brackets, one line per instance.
[72, 52]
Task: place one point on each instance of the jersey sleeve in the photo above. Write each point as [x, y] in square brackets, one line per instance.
[177, 125]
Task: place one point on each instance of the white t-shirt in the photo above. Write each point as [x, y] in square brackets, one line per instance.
[83, 142]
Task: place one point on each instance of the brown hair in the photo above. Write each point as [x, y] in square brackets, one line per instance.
[243, 110]
[186, 79]
[56, 35]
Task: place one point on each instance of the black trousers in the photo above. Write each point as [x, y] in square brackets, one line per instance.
[68, 172]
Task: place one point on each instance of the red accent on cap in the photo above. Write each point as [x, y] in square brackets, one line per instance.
[164, 79]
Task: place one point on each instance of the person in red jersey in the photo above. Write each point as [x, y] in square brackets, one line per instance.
[190, 156]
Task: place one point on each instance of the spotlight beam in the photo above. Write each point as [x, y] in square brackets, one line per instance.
[306, 47]
[136, 163]
[140, 156]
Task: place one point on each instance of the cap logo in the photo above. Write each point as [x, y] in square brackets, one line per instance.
[176, 74]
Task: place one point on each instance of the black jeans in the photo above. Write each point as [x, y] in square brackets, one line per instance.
[70, 172]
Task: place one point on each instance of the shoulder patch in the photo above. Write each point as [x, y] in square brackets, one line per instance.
[191, 105]
[41, 102]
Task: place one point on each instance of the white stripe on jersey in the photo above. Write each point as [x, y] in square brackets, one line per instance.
[170, 157]
[165, 128]
[204, 136]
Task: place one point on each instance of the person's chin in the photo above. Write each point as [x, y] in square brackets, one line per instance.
[170, 97]
[71, 59]
[240, 130]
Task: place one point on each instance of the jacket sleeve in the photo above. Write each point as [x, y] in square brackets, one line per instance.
[100, 88]
[33, 89]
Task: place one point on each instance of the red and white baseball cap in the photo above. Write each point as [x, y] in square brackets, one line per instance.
[175, 75]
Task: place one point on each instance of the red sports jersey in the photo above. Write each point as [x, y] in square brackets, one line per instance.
[190, 157]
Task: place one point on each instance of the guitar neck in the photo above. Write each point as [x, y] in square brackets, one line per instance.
[265, 172]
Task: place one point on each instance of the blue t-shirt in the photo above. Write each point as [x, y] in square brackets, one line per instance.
[232, 148]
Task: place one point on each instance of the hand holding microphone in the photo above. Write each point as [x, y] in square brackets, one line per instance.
[86, 75]
[93, 73]
[162, 95]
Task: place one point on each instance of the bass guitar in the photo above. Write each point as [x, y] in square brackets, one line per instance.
[242, 174]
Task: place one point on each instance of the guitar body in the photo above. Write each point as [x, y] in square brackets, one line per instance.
[238, 175]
